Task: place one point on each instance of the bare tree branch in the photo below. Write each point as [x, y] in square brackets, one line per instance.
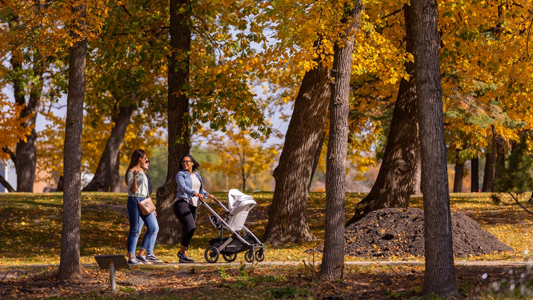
[6, 184]
[520, 204]
[11, 155]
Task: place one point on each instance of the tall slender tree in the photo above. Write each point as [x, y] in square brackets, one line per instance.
[69, 266]
[333, 259]
[178, 107]
[440, 272]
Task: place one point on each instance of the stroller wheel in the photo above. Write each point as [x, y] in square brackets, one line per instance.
[249, 256]
[211, 254]
[260, 255]
[230, 257]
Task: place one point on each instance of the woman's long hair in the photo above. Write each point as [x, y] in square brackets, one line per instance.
[195, 164]
[135, 156]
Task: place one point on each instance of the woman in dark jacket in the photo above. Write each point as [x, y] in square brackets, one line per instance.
[190, 191]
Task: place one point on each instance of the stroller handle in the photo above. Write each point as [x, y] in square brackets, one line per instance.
[217, 201]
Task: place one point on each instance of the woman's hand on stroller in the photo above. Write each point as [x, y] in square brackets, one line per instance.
[200, 196]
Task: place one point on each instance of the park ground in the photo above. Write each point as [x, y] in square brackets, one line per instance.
[30, 251]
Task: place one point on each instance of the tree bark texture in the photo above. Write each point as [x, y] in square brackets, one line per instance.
[287, 215]
[396, 178]
[440, 272]
[333, 258]
[417, 179]
[474, 175]
[459, 174]
[103, 177]
[178, 129]
[115, 178]
[69, 265]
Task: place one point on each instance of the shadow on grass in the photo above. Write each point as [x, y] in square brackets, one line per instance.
[259, 282]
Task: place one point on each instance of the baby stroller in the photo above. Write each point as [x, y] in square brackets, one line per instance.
[239, 205]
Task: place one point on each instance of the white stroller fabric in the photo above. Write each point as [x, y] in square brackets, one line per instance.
[239, 205]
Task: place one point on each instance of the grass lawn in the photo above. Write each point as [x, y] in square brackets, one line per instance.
[31, 235]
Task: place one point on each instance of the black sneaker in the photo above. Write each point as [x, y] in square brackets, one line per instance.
[152, 258]
[184, 259]
[143, 259]
[134, 261]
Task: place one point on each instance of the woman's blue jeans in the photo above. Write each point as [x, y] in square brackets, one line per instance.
[137, 220]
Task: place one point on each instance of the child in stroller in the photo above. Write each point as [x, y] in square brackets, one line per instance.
[239, 205]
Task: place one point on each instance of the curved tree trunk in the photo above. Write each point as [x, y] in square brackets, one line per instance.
[103, 177]
[474, 175]
[288, 220]
[333, 259]
[69, 265]
[178, 130]
[439, 277]
[394, 184]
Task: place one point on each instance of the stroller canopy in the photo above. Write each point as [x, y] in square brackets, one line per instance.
[237, 201]
[239, 205]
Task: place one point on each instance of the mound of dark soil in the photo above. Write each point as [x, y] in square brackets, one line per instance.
[394, 232]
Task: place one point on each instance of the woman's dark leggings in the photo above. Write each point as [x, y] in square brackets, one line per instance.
[186, 214]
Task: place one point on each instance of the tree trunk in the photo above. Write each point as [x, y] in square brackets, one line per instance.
[396, 178]
[288, 220]
[459, 174]
[440, 272]
[316, 159]
[103, 177]
[26, 151]
[488, 177]
[6, 184]
[417, 179]
[178, 129]
[499, 167]
[474, 175]
[333, 258]
[25, 159]
[60, 185]
[69, 265]
[115, 178]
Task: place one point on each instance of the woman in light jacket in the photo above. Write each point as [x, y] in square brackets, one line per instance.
[190, 191]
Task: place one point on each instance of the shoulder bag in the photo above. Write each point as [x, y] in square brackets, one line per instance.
[146, 206]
